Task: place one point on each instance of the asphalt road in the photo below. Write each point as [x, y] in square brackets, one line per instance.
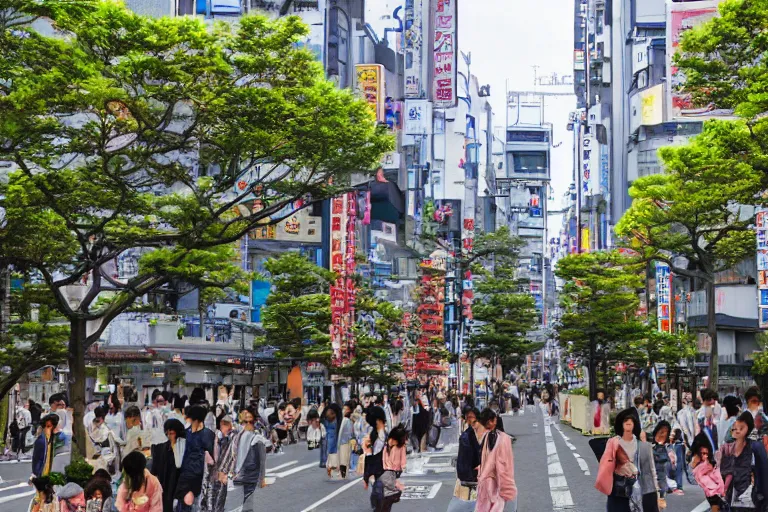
[554, 471]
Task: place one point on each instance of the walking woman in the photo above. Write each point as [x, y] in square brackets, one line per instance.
[496, 477]
[744, 467]
[332, 423]
[217, 474]
[626, 461]
[140, 490]
[374, 451]
[661, 458]
[250, 459]
[167, 458]
[346, 439]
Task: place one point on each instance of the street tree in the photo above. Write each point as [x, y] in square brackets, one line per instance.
[697, 215]
[160, 138]
[599, 303]
[297, 314]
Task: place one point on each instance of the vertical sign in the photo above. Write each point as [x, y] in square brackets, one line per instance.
[761, 226]
[343, 215]
[663, 296]
[444, 62]
[417, 118]
[412, 42]
[370, 85]
[590, 171]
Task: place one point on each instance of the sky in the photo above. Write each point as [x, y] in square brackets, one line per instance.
[507, 38]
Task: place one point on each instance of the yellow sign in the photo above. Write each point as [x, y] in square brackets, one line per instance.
[370, 84]
[651, 106]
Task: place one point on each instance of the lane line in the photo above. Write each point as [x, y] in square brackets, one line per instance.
[332, 495]
[558, 484]
[22, 484]
[582, 463]
[434, 490]
[702, 507]
[15, 497]
[293, 470]
[281, 466]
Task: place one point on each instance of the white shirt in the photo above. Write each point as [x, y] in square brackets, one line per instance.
[23, 418]
[154, 422]
[116, 424]
[136, 440]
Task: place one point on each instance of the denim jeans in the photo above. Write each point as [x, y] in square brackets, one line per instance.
[680, 466]
[323, 452]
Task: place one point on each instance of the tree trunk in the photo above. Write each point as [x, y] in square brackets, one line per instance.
[76, 360]
[712, 331]
[592, 369]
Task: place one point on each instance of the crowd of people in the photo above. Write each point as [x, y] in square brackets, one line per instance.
[718, 445]
[182, 454]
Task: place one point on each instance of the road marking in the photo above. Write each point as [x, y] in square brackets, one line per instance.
[582, 463]
[14, 497]
[292, 470]
[558, 484]
[702, 507]
[422, 490]
[281, 466]
[332, 495]
[17, 486]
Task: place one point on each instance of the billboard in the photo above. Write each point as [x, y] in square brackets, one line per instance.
[370, 84]
[418, 117]
[445, 48]
[412, 44]
[647, 107]
[761, 226]
[663, 296]
[681, 17]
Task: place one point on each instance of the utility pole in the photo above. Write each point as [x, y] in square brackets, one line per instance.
[583, 126]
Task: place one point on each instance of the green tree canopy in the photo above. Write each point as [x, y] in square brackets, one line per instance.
[599, 303]
[697, 216]
[160, 137]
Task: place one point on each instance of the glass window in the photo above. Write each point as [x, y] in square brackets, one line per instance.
[343, 54]
[534, 162]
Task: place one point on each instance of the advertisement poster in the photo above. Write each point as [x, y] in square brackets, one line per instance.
[370, 85]
[590, 170]
[682, 17]
[417, 117]
[663, 296]
[761, 228]
[445, 47]
[412, 44]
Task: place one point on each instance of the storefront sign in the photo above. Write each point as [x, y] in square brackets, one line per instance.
[343, 247]
[412, 45]
[445, 47]
[761, 226]
[417, 117]
[663, 295]
[370, 85]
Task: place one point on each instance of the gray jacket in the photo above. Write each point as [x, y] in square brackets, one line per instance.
[648, 481]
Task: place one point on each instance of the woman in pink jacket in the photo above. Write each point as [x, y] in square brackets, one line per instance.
[706, 474]
[141, 490]
[496, 477]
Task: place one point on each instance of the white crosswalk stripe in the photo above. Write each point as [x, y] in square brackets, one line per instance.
[558, 484]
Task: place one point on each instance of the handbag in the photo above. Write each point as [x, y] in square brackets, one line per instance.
[622, 486]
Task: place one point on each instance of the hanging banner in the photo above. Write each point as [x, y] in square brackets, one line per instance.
[761, 226]
[418, 117]
[370, 85]
[412, 44]
[445, 47]
[663, 295]
[343, 246]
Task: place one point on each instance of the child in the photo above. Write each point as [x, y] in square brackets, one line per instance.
[315, 430]
[705, 473]
[394, 464]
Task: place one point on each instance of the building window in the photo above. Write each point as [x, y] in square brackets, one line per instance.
[343, 54]
[534, 162]
[600, 15]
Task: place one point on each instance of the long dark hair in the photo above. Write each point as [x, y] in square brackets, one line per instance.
[339, 416]
[134, 465]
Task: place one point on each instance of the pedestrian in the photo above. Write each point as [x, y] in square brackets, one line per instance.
[332, 423]
[178, 408]
[315, 430]
[136, 439]
[140, 491]
[496, 476]
[709, 416]
[102, 449]
[665, 411]
[678, 469]
[706, 474]
[731, 405]
[744, 467]
[58, 403]
[71, 498]
[217, 474]
[114, 418]
[686, 419]
[753, 399]
[23, 425]
[250, 448]
[661, 459]
[618, 488]
[45, 499]
[467, 461]
[394, 463]
[421, 423]
[278, 428]
[374, 446]
[98, 495]
[199, 442]
[154, 418]
[648, 419]
[167, 459]
[346, 439]
[44, 447]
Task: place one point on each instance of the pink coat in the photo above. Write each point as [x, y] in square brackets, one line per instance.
[607, 467]
[496, 478]
[709, 479]
[152, 489]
